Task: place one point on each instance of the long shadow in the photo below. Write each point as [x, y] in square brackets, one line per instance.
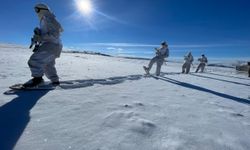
[171, 73]
[73, 84]
[14, 117]
[191, 86]
[220, 79]
[227, 76]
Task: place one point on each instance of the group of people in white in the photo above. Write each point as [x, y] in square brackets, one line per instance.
[188, 61]
[48, 47]
[163, 52]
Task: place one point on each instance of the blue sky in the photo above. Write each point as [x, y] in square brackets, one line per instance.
[218, 28]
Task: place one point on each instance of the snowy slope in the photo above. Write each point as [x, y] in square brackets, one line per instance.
[112, 106]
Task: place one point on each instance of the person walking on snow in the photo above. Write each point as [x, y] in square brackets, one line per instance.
[203, 61]
[188, 60]
[42, 61]
[161, 54]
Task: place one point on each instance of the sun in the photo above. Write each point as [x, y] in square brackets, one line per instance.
[84, 6]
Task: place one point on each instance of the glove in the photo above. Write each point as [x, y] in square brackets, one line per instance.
[35, 48]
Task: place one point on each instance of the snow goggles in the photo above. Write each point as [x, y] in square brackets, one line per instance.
[37, 9]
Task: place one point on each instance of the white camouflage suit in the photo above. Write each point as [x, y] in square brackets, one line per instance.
[42, 61]
[187, 64]
[159, 59]
[203, 61]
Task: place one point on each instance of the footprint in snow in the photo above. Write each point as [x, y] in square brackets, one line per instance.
[136, 104]
[139, 104]
[129, 121]
[116, 119]
[237, 115]
[127, 106]
[142, 126]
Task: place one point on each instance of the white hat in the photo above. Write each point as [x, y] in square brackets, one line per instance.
[41, 6]
[164, 43]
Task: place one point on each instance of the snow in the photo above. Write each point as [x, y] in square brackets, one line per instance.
[106, 103]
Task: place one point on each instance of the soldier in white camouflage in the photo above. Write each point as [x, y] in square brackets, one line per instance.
[203, 62]
[188, 60]
[42, 61]
[161, 54]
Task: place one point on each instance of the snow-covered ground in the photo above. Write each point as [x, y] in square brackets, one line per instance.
[112, 106]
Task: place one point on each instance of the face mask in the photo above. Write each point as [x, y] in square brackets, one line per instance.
[37, 9]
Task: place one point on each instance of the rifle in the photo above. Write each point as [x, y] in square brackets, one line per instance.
[36, 39]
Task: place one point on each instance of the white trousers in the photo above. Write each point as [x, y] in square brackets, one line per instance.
[43, 61]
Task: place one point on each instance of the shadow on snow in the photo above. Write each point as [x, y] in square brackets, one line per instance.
[191, 86]
[73, 84]
[227, 76]
[15, 115]
[202, 76]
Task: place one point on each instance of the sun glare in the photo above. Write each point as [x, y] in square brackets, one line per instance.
[84, 6]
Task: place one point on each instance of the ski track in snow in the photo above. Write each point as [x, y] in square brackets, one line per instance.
[106, 103]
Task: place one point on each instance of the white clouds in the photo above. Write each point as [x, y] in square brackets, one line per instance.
[115, 49]
[145, 50]
[123, 44]
[155, 45]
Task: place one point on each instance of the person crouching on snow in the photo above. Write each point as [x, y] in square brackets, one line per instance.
[161, 54]
[188, 60]
[203, 61]
[42, 61]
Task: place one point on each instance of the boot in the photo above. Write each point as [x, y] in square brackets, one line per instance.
[33, 82]
[56, 83]
[146, 69]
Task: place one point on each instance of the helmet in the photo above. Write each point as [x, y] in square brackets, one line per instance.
[164, 43]
[41, 6]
